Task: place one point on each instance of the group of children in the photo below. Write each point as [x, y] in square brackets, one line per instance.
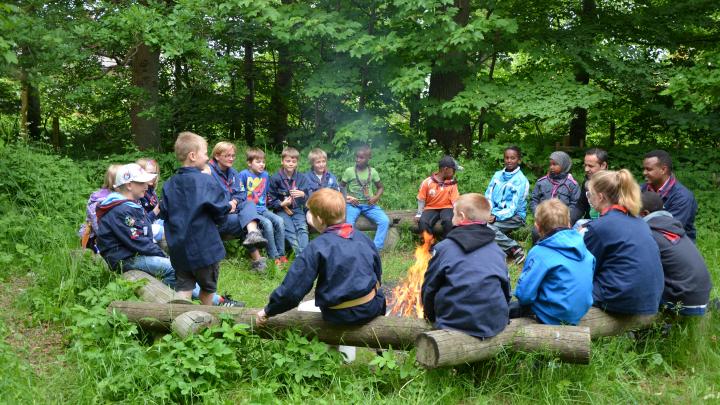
[633, 258]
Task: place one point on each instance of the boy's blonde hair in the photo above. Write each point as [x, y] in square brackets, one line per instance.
[328, 205]
[619, 187]
[254, 153]
[316, 153]
[187, 142]
[145, 162]
[551, 214]
[222, 147]
[475, 206]
[289, 151]
[110, 174]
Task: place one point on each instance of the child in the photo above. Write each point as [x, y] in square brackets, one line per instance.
[507, 192]
[125, 237]
[243, 218]
[558, 183]
[256, 180]
[687, 281]
[358, 181]
[150, 201]
[557, 280]
[88, 230]
[344, 262]
[287, 195]
[318, 176]
[467, 285]
[628, 273]
[193, 206]
[436, 197]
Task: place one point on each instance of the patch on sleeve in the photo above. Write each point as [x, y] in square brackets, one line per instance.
[129, 221]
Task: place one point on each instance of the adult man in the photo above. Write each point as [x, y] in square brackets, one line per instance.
[596, 159]
[678, 200]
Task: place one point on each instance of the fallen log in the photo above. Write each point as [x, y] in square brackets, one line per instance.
[381, 332]
[603, 324]
[440, 348]
[153, 290]
[192, 323]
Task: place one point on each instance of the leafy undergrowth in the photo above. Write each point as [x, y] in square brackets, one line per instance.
[58, 344]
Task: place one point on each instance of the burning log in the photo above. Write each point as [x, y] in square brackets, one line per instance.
[154, 290]
[439, 348]
[406, 299]
[381, 332]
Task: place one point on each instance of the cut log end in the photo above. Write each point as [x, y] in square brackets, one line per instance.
[192, 323]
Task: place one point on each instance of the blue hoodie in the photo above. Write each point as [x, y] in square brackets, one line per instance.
[507, 192]
[557, 279]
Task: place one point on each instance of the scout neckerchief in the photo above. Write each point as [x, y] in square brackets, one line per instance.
[364, 187]
[615, 207]
[149, 200]
[556, 185]
[664, 190]
[442, 183]
[321, 181]
[288, 185]
[343, 230]
[229, 182]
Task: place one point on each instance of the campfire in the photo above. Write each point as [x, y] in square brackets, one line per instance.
[405, 299]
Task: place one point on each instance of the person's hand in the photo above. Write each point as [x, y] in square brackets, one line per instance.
[233, 205]
[373, 200]
[492, 219]
[260, 318]
[156, 210]
[352, 200]
[287, 201]
[297, 193]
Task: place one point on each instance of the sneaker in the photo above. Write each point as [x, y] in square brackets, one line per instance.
[283, 259]
[226, 301]
[517, 254]
[255, 238]
[259, 266]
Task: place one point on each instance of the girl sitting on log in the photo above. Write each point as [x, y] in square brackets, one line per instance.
[628, 273]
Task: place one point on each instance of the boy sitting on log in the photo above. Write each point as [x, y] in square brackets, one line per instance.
[436, 197]
[467, 285]
[556, 283]
[345, 263]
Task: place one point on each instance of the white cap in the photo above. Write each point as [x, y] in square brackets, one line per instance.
[132, 172]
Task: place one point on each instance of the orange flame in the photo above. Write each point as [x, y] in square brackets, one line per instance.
[406, 299]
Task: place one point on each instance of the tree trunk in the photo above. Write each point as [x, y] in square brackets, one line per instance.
[381, 332]
[153, 290]
[249, 71]
[440, 348]
[145, 67]
[612, 133]
[446, 81]
[56, 132]
[29, 108]
[278, 126]
[578, 124]
[603, 324]
[192, 323]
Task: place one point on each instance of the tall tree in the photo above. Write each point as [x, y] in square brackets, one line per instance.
[145, 66]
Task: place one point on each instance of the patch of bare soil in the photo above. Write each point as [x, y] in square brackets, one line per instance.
[39, 343]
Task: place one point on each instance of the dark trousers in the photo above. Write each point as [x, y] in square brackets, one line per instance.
[429, 218]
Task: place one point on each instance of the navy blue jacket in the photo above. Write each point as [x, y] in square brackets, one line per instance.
[345, 269]
[124, 231]
[628, 273]
[314, 184]
[687, 280]
[557, 279]
[230, 182]
[280, 186]
[193, 205]
[467, 286]
[680, 202]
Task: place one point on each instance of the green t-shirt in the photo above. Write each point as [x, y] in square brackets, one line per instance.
[367, 181]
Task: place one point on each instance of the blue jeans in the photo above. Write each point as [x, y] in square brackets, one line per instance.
[157, 266]
[273, 229]
[374, 214]
[196, 295]
[296, 231]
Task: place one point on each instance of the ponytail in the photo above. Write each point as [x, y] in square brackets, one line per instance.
[628, 192]
[619, 187]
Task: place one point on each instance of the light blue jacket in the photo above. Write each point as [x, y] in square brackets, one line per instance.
[557, 279]
[507, 192]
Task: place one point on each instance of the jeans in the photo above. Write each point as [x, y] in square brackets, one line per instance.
[273, 229]
[296, 231]
[374, 214]
[196, 295]
[500, 227]
[236, 222]
[157, 266]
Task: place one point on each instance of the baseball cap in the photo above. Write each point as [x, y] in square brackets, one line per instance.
[132, 172]
[448, 161]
